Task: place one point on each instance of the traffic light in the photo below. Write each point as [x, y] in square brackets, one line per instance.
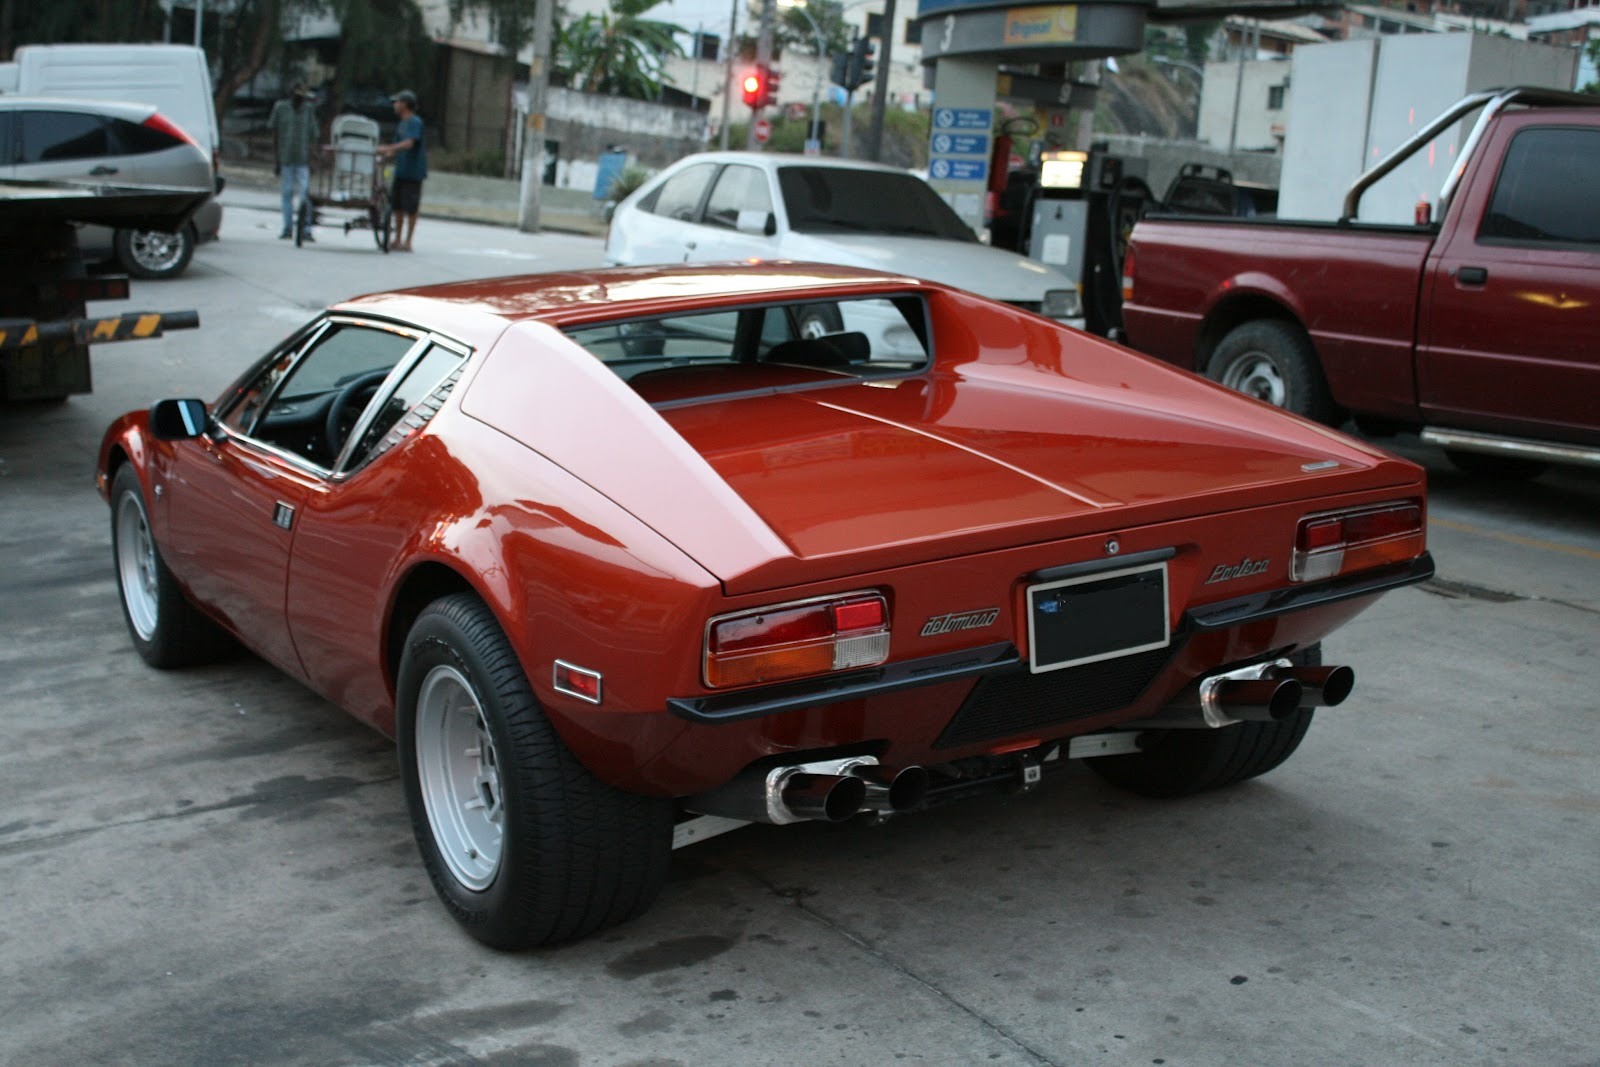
[859, 65]
[759, 86]
[840, 72]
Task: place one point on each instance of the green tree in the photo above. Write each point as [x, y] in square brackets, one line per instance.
[1591, 52]
[88, 21]
[618, 52]
[795, 32]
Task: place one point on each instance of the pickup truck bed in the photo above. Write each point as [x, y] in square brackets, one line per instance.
[1478, 330]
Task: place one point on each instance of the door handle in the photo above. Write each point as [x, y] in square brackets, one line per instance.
[1472, 275]
[103, 169]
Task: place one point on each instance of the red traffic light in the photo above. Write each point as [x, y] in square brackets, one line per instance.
[759, 86]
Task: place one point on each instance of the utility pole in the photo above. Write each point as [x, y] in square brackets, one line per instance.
[764, 61]
[532, 187]
[880, 87]
[731, 49]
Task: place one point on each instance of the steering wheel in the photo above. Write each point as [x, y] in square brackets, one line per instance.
[333, 429]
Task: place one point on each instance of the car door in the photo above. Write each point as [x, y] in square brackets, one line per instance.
[355, 529]
[236, 493]
[1512, 300]
[663, 227]
[739, 197]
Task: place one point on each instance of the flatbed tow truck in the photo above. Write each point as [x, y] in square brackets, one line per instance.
[45, 285]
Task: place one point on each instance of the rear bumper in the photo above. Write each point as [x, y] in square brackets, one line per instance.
[1004, 659]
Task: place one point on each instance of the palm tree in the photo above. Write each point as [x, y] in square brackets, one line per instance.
[619, 52]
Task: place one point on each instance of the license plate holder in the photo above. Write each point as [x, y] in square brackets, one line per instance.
[1093, 617]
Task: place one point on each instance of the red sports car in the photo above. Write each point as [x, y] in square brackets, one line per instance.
[626, 558]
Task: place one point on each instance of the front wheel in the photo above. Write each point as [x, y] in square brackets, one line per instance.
[1179, 763]
[1274, 361]
[523, 845]
[167, 630]
[154, 254]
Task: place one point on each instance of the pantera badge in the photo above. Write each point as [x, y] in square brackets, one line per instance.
[1246, 567]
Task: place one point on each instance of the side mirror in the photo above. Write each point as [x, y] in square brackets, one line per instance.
[178, 420]
[762, 222]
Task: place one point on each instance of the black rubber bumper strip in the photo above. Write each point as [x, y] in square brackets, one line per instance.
[989, 659]
[1229, 613]
[908, 674]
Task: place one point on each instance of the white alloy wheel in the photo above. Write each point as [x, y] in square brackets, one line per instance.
[459, 774]
[136, 566]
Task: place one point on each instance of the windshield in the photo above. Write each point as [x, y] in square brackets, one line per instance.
[846, 200]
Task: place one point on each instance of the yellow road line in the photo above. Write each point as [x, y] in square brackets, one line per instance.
[1516, 539]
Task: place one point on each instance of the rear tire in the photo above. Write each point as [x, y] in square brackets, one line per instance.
[154, 254]
[1274, 361]
[524, 846]
[1179, 763]
[167, 630]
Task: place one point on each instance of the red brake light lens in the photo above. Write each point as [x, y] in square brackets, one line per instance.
[797, 640]
[162, 124]
[1326, 546]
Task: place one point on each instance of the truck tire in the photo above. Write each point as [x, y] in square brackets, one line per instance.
[1273, 361]
[523, 845]
[1179, 763]
[154, 254]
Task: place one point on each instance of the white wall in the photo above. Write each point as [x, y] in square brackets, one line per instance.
[1356, 101]
[1259, 126]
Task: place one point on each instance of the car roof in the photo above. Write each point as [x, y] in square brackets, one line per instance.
[476, 310]
[773, 160]
[120, 109]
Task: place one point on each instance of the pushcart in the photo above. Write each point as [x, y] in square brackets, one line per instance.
[346, 178]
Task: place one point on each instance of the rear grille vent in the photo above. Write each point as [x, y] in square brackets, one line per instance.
[1002, 705]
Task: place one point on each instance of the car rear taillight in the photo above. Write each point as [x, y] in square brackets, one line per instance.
[1128, 258]
[797, 640]
[1335, 543]
[161, 124]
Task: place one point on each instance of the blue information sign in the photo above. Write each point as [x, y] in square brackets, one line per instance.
[962, 118]
[959, 170]
[960, 144]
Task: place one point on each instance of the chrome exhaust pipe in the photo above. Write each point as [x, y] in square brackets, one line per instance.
[1259, 699]
[827, 790]
[887, 792]
[1322, 687]
[829, 797]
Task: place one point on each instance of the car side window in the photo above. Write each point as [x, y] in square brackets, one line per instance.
[680, 195]
[8, 123]
[739, 188]
[54, 136]
[309, 404]
[413, 402]
[1544, 192]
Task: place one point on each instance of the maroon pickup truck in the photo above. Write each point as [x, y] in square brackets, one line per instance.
[1481, 331]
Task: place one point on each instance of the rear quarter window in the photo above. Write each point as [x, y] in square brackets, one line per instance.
[55, 136]
[763, 347]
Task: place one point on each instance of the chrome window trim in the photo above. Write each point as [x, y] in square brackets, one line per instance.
[422, 340]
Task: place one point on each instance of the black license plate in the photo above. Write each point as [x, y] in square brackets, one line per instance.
[1098, 616]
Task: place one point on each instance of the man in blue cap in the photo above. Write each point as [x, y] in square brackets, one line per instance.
[410, 168]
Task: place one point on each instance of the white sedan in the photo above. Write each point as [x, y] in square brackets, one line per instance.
[718, 206]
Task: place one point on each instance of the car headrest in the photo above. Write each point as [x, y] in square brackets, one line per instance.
[834, 350]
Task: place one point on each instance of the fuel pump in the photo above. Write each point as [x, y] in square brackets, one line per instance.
[1074, 211]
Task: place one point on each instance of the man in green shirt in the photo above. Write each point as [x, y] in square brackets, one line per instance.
[293, 122]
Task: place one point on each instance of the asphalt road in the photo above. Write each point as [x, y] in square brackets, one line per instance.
[214, 866]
